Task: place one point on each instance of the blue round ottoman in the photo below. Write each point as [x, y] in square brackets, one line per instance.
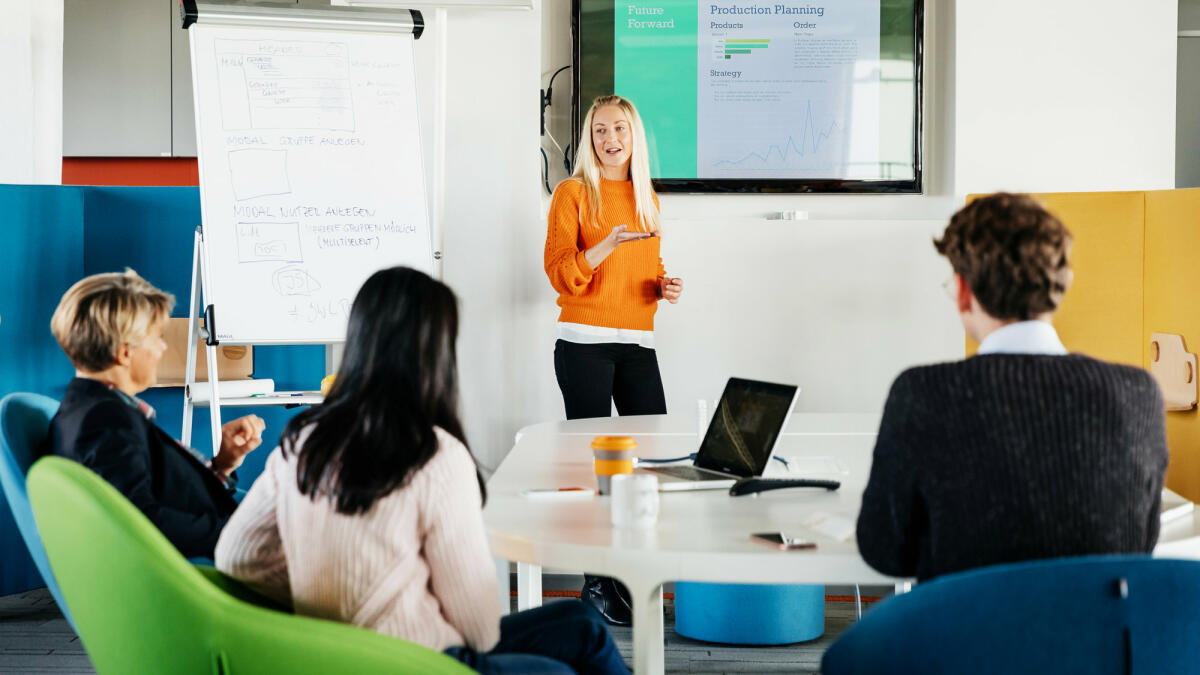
[749, 614]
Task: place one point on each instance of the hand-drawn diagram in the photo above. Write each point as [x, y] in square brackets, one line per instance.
[327, 309]
[294, 280]
[258, 173]
[269, 242]
[310, 176]
[284, 84]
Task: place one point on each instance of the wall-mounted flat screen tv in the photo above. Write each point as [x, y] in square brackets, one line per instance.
[745, 96]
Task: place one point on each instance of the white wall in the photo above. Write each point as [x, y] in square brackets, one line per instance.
[31, 40]
[838, 307]
[493, 236]
[1069, 95]
[838, 304]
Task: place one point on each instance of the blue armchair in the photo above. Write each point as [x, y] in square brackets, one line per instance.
[24, 422]
[1096, 614]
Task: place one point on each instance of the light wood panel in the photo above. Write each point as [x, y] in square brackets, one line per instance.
[1101, 315]
[1172, 291]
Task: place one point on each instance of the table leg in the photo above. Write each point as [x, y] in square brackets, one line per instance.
[529, 586]
[503, 586]
[648, 649]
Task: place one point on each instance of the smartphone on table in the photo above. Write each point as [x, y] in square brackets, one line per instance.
[783, 542]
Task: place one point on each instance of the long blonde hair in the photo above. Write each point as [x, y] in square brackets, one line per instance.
[587, 165]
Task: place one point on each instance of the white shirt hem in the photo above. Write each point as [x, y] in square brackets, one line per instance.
[581, 333]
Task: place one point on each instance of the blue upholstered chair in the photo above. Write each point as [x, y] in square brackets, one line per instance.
[24, 422]
[1096, 615]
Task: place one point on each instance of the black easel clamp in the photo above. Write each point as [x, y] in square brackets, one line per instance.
[209, 331]
[418, 23]
[187, 13]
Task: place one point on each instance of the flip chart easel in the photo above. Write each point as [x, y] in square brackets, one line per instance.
[311, 175]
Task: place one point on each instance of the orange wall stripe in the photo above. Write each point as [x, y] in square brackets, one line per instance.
[130, 171]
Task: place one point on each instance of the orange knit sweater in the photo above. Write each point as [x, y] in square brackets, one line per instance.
[623, 291]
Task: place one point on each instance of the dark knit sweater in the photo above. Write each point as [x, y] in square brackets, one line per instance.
[1008, 457]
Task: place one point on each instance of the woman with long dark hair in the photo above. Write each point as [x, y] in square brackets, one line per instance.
[370, 511]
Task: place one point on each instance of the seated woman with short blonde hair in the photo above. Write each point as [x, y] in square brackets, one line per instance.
[111, 328]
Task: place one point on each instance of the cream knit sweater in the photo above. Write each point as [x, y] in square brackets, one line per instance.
[415, 566]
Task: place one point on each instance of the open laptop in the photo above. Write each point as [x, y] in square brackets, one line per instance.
[740, 440]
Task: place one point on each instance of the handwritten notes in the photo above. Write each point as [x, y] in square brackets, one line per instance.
[311, 175]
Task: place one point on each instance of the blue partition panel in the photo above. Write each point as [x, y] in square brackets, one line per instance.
[150, 229]
[41, 255]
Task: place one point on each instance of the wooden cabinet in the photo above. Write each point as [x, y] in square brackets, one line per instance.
[1187, 114]
[183, 109]
[127, 88]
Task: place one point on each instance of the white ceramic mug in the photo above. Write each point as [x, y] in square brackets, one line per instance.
[634, 500]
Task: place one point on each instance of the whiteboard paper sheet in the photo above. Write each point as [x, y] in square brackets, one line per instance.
[311, 175]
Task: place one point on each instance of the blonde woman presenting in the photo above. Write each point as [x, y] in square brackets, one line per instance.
[602, 256]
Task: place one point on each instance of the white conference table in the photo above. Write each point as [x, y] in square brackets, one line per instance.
[700, 535]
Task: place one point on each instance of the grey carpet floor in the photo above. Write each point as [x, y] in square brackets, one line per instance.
[34, 638]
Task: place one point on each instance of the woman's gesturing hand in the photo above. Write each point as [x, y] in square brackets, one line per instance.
[619, 235]
[238, 438]
[670, 288]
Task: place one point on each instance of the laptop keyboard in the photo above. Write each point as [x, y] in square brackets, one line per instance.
[691, 473]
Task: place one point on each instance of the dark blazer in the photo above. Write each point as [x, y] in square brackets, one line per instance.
[1009, 457]
[182, 497]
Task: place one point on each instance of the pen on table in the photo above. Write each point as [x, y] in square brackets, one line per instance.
[561, 489]
[562, 492]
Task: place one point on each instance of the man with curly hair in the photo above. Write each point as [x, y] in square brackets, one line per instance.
[1023, 451]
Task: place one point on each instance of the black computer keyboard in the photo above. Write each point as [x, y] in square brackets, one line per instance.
[754, 485]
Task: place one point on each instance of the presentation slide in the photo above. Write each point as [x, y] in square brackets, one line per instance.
[746, 91]
[788, 91]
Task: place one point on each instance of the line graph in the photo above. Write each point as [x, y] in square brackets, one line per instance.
[811, 141]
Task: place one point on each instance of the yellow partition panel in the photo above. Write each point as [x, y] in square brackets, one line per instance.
[1172, 305]
[1101, 315]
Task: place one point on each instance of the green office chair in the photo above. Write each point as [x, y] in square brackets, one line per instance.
[141, 608]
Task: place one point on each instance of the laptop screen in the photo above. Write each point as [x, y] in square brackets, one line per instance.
[748, 420]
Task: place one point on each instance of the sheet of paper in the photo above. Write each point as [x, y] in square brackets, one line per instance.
[832, 525]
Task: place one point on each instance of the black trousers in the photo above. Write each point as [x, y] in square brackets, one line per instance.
[593, 377]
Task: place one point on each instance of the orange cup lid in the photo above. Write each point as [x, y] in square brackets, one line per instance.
[614, 443]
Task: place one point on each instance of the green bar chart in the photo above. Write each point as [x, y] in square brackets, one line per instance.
[727, 48]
